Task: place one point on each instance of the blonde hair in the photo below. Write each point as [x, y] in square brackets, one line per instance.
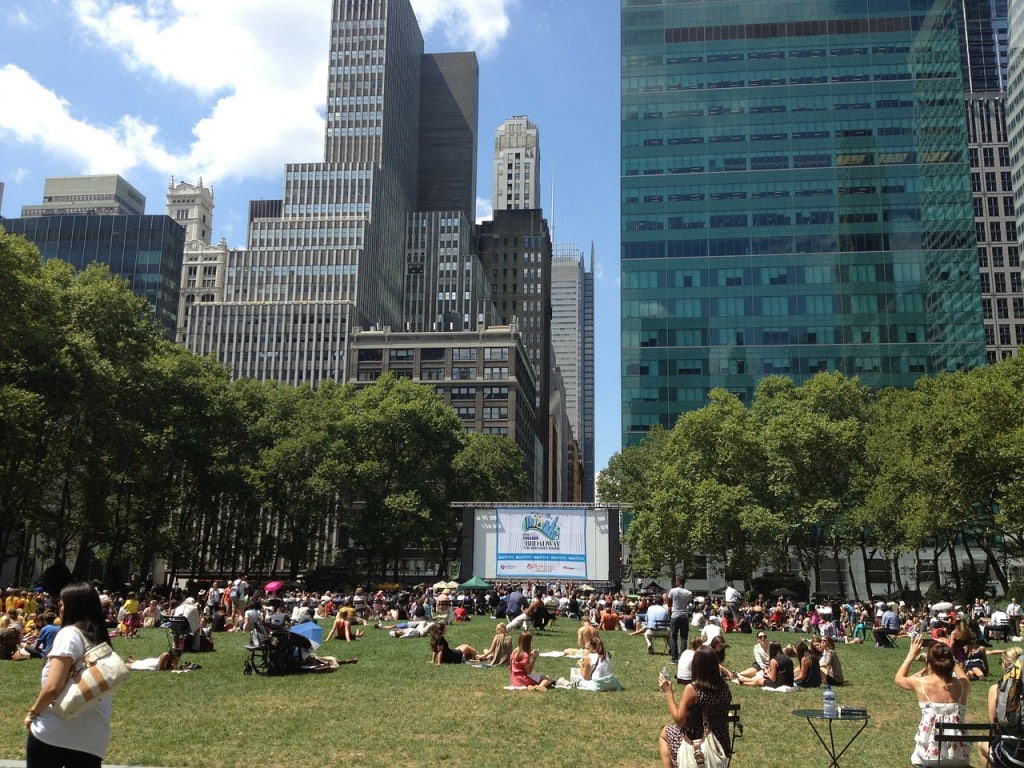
[1010, 655]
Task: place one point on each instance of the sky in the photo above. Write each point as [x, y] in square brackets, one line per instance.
[231, 90]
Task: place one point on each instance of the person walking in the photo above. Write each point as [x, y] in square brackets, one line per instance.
[679, 627]
[82, 742]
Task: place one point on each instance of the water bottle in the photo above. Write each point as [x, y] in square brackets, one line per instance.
[664, 674]
[828, 702]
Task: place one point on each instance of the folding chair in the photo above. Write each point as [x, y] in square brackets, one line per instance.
[944, 732]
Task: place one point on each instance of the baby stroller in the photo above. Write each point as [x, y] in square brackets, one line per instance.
[273, 650]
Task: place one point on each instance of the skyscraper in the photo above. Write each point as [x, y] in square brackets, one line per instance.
[516, 165]
[572, 339]
[331, 255]
[795, 198]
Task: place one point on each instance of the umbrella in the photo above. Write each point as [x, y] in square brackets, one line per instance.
[273, 586]
[309, 630]
[944, 605]
[440, 585]
[451, 585]
[584, 588]
[783, 592]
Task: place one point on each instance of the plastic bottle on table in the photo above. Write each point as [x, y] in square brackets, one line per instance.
[828, 702]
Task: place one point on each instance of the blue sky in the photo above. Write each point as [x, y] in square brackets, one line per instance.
[231, 90]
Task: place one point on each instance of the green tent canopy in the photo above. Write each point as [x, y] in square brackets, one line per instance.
[475, 583]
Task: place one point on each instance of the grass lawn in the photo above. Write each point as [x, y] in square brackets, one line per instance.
[394, 708]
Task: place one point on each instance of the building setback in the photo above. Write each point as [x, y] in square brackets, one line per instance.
[330, 255]
[795, 198]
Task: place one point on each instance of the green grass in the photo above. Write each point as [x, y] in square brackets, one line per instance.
[392, 707]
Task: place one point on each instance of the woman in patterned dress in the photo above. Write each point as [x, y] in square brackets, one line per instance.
[705, 699]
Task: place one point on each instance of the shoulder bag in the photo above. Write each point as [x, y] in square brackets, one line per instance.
[98, 673]
[705, 752]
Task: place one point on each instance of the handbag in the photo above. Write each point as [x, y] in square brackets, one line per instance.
[98, 673]
[705, 752]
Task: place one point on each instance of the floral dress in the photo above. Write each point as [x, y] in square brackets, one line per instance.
[927, 752]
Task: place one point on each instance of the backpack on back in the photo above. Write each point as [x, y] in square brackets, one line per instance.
[1010, 701]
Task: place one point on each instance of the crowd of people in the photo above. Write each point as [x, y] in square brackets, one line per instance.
[953, 641]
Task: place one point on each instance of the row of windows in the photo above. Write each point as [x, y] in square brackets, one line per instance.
[675, 110]
[774, 275]
[766, 190]
[783, 364]
[1012, 254]
[1002, 308]
[469, 393]
[812, 217]
[757, 161]
[954, 238]
[997, 282]
[697, 82]
[1005, 339]
[649, 60]
[789, 335]
[776, 306]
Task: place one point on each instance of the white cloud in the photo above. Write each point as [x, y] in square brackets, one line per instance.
[476, 25]
[484, 209]
[42, 118]
[257, 69]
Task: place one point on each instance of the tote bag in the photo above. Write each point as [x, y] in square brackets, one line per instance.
[97, 674]
[711, 753]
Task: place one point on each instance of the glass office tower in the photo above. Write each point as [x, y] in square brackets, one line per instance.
[796, 198]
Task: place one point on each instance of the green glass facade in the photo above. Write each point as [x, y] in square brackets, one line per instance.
[144, 250]
[796, 198]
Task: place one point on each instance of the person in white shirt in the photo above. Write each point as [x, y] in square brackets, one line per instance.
[1013, 613]
[190, 611]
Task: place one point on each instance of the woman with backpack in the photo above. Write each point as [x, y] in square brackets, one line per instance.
[1007, 750]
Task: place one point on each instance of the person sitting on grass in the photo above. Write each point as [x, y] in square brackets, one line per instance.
[521, 665]
[780, 669]
[343, 629]
[808, 673]
[831, 669]
[684, 669]
[761, 657]
[500, 650]
[586, 633]
[596, 669]
[441, 653]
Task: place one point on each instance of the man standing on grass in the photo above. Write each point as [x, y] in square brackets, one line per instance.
[1013, 611]
[680, 618]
